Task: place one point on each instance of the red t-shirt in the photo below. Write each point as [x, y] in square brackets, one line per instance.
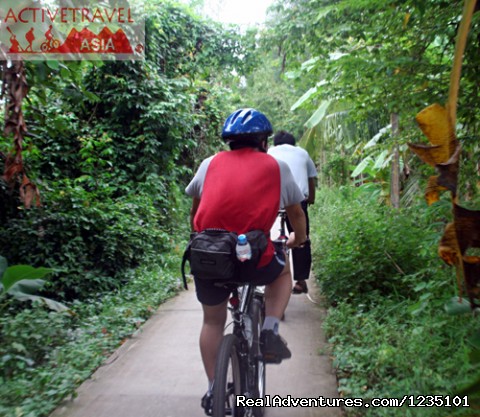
[241, 192]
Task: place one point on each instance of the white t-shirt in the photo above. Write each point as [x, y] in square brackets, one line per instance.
[298, 161]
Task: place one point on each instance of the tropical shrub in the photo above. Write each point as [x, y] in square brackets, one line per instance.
[91, 241]
[386, 351]
[23, 282]
[46, 355]
[393, 323]
[364, 251]
[110, 146]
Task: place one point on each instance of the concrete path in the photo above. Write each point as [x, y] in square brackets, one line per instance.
[158, 373]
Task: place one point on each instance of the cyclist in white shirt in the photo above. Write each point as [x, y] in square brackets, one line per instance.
[305, 175]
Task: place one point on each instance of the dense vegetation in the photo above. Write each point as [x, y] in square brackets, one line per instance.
[112, 145]
[386, 293]
[394, 321]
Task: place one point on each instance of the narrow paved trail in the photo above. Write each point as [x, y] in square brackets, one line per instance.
[158, 372]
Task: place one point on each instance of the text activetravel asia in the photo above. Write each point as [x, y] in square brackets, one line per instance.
[70, 15]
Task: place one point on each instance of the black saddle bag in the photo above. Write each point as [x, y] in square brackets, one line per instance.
[211, 254]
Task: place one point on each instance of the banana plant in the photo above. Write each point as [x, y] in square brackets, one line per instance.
[23, 282]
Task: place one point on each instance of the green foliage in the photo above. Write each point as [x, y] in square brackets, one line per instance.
[179, 43]
[337, 170]
[365, 251]
[371, 50]
[23, 282]
[44, 355]
[372, 59]
[90, 238]
[387, 352]
[266, 89]
[393, 326]
[10, 276]
[111, 146]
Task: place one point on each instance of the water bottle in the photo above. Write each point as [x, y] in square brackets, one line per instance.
[243, 249]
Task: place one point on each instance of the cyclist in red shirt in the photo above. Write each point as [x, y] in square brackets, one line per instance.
[242, 190]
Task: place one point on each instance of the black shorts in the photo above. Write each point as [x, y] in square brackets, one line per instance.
[211, 293]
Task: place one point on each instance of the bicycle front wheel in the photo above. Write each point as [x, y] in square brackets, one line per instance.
[228, 379]
[258, 389]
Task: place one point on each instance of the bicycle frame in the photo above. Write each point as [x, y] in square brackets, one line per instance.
[244, 299]
[245, 303]
[242, 322]
[241, 349]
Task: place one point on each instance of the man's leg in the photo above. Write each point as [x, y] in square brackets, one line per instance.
[214, 318]
[302, 257]
[278, 293]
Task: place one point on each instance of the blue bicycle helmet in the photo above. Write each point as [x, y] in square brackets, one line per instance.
[246, 122]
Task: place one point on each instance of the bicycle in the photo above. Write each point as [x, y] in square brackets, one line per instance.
[49, 45]
[240, 368]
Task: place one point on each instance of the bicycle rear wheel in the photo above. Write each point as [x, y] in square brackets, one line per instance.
[258, 315]
[228, 379]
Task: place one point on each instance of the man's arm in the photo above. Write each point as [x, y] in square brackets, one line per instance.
[296, 217]
[312, 185]
[193, 211]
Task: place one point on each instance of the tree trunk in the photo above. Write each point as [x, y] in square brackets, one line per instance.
[395, 175]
